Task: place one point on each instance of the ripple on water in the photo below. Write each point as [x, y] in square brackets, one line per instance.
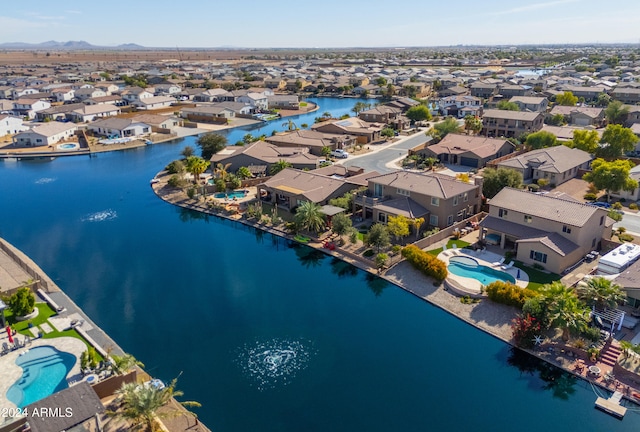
[45, 180]
[100, 216]
[273, 363]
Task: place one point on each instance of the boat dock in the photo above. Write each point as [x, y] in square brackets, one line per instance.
[612, 405]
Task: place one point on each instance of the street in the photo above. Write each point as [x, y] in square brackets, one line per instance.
[631, 221]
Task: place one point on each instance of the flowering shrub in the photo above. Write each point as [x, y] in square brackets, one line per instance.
[525, 329]
[508, 293]
[425, 262]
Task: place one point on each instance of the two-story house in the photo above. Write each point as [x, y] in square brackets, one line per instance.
[557, 164]
[531, 103]
[381, 114]
[503, 123]
[552, 232]
[10, 125]
[511, 90]
[457, 106]
[29, 107]
[135, 94]
[484, 90]
[628, 95]
[579, 115]
[441, 200]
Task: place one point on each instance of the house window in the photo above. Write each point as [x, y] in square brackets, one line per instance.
[433, 220]
[455, 200]
[377, 190]
[538, 256]
[466, 197]
[382, 217]
[503, 213]
[528, 218]
[593, 243]
[435, 201]
[601, 220]
[403, 192]
[566, 229]
[450, 220]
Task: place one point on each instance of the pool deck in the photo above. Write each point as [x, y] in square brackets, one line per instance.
[472, 287]
[10, 372]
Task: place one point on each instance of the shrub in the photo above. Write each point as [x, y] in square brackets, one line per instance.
[580, 343]
[175, 167]
[533, 187]
[191, 192]
[633, 206]
[22, 302]
[625, 237]
[174, 181]
[524, 329]
[508, 293]
[425, 262]
[617, 205]
[591, 333]
[590, 196]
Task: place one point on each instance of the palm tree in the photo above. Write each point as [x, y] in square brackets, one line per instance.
[244, 173]
[431, 161]
[140, 404]
[123, 364]
[308, 216]
[601, 293]
[221, 171]
[290, 125]
[564, 309]
[627, 347]
[472, 124]
[196, 166]
[279, 166]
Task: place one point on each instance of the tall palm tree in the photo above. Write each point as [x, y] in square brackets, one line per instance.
[140, 404]
[279, 166]
[564, 309]
[196, 166]
[221, 171]
[601, 293]
[308, 216]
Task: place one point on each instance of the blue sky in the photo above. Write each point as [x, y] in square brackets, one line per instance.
[329, 23]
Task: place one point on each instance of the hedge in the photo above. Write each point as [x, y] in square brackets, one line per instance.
[425, 262]
[508, 293]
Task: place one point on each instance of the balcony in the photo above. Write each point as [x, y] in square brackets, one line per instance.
[368, 200]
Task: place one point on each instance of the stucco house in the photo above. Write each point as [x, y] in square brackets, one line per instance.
[155, 102]
[364, 131]
[468, 150]
[549, 231]
[531, 103]
[119, 127]
[557, 164]
[313, 140]
[441, 200]
[46, 134]
[91, 112]
[29, 107]
[580, 116]
[11, 125]
[497, 123]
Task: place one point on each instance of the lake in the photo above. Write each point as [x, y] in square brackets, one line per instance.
[268, 336]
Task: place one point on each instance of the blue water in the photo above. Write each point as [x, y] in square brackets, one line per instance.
[44, 372]
[468, 267]
[234, 194]
[268, 336]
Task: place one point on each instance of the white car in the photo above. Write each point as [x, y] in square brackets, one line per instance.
[340, 154]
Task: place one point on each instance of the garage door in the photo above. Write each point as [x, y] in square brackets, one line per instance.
[467, 161]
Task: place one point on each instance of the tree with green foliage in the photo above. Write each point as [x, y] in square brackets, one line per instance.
[381, 260]
[210, 144]
[124, 363]
[22, 302]
[564, 309]
[290, 125]
[603, 100]
[325, 151]
[221, 171]
[506, 105]
[556, 120]
[345, 201]
[89, 359]
[541, 139]
[341, 224]
[472, 124]
[418, 113]
[248, 139]
[601, 293]
[308, 216]
[611, 176]
[566, 99]
[279, 166]
[244, 173]
[187, 151]
[585, 140]
[387, 133]
[196, 166]
[398, 226]
[416, 223]
[381, 81]
[141, 404]
[616, 141]
[442, 129]
[378, 236]
[497, 179]
[359, 107]
[616, 112]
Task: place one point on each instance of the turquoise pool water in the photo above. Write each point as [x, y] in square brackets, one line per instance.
[231, 195]
[468, 267]
[44, 372]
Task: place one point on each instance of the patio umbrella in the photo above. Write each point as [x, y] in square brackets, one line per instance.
[9, 334]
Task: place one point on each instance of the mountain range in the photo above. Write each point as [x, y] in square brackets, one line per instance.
[69, 45]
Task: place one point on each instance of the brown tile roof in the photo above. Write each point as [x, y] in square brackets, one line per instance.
[434, 185]
[511, 115]
[404, 206]
[569, 110]
[312, 186]
[546, 207]
[480, 146]
[556, 159]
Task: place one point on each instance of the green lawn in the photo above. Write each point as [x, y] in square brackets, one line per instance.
[450, 244]
[537, 278]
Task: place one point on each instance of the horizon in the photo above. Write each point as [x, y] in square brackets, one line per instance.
[337, 26]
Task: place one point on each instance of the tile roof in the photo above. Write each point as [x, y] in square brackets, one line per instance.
[556, 159]
[434, 185]
[511, 115]
[52, 128]
[478, 145]
[404, 206]
[547, 207]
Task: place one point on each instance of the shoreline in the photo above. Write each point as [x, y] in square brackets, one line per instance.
[491, 318]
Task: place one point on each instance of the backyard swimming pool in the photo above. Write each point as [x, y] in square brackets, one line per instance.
[68, 146]
[231, 195]
[44, 372]
[468, 267]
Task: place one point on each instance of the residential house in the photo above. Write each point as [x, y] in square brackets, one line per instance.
[497, 123]
[633, 195]
[628, 95]
[58, 112]
[275, 83]
[365, 132]
[511, 90]
[531, 103]
[64, 94]
[549, 231]
[11, 125]
[313, 140]
[455, 105]
[291, 187]
[155, 102]
[29, 107]
[257, 101]
[633, 116]
[167, 89]
[580, 115]
[134, 94]
[441, 200]
[5, 92]
[260, 156]
[208, 114]
[46, 134]
[88, 92]
[380, 114]
[120, 128]
[289, 102]
[159, 123]
[565, 133]
[213, 95]
[590, 94]
[468, 150]
[20, 92]
[241, 109]
[108, 88]
[89, 113]
[109, 99]
[556, 164]
[453, 91]
[484, 90]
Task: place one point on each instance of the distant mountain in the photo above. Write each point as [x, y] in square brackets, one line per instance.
[69, 45]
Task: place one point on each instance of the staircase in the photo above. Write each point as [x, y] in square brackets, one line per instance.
[610, 353]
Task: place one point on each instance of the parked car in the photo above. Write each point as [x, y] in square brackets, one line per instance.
[340, 154]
